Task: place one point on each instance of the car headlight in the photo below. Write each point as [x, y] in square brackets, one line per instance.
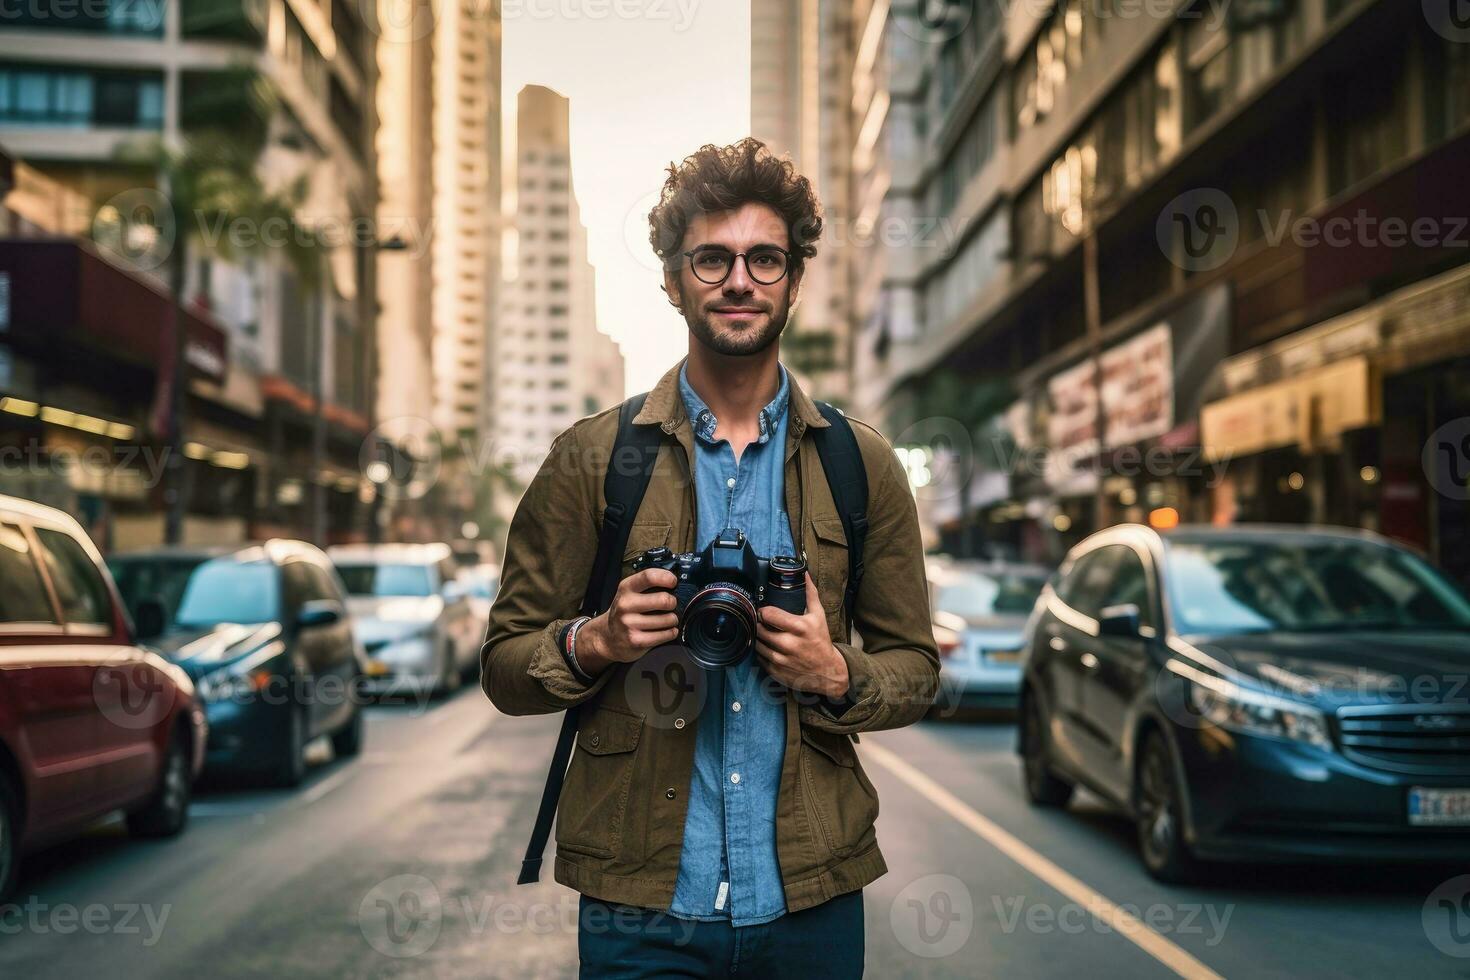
[225, 685]
[1240, 709]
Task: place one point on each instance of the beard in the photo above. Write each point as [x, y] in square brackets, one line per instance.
[738, 340]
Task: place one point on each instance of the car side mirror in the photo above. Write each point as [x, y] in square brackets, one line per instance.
[1122, 620]
[150, 619]
[319, 612]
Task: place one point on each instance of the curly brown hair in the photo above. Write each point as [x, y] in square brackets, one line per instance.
[722, 178]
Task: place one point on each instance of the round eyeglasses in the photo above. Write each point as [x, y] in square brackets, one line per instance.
[765, 264]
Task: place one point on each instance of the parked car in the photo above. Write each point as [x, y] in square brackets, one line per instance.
[90, 722]
[263, 631]
[979, 611]
[1252, 693]
[481, 582]
[413, 616]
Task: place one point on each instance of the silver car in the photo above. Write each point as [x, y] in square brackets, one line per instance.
[413, 617]
[979, 611]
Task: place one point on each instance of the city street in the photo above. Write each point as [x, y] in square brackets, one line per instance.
[402, 863]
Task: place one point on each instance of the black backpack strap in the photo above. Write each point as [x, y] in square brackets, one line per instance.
[847, 478]
[628, 471]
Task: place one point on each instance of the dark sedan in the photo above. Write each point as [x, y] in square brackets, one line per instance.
[1254, 693]
[263, 631]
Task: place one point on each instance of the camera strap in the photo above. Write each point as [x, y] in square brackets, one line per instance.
[629, 469]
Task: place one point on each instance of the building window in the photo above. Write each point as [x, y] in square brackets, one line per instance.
[80, 97]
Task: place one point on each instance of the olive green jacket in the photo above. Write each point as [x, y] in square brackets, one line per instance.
[620, 826]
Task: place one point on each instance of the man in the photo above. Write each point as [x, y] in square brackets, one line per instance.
[735, 828]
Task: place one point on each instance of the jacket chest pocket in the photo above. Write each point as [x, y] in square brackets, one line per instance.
[642, 536]
[594, 799]
[831, 569]
[841, 802]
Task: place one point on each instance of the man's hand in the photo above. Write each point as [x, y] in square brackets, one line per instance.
[798, 650]
[634, 624]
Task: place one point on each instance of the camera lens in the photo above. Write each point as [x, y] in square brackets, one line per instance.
[719, 626]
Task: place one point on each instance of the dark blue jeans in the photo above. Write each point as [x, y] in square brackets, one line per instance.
[620, 942]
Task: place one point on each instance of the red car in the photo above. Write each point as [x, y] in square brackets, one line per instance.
[90, 722]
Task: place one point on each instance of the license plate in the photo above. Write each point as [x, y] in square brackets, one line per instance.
[1439, 807]
[1004, 656]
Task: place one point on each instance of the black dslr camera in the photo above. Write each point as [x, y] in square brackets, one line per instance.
[720, 590]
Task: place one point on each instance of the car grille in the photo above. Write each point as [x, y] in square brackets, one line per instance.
[1421, 739]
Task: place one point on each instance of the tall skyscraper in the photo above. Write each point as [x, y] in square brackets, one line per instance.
[466, 210]
[552, 364]
[800, 104]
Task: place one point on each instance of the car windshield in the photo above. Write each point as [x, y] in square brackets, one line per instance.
[160, 579]
[386, 580]
[984, 595]
[1265, 586]
[224, 590]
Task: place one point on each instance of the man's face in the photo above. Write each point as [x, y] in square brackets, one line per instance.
[741, 315]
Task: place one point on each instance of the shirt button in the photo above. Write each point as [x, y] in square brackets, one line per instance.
[735, 706]
[670, 793]
[730, 483]
[678, 722]
[734, 777]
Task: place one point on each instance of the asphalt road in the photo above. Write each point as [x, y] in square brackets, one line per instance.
[402, 863]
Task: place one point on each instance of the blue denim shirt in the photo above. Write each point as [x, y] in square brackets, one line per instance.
[728, 867]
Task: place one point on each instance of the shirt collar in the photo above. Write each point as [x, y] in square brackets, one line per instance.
[704, 421]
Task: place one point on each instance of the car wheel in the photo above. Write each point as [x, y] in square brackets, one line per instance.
[347, 741]
[291, 769]
[9, 838]
[1166, 855]
[1043, 787]
[167, 811]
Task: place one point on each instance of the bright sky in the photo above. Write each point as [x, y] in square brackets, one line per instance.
[645, 91]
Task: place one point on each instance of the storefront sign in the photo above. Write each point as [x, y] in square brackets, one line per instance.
[1304, 410]
[1138, 387]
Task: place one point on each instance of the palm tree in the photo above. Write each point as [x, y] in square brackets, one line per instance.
[210, 180]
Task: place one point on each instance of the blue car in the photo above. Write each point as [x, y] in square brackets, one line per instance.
[1254, 693]
[979, 611]
[263, 631]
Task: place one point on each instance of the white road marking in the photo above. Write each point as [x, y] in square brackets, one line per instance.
[1126, 925]
[327, 785]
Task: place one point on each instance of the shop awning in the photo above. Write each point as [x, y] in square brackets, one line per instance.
[62, 292]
